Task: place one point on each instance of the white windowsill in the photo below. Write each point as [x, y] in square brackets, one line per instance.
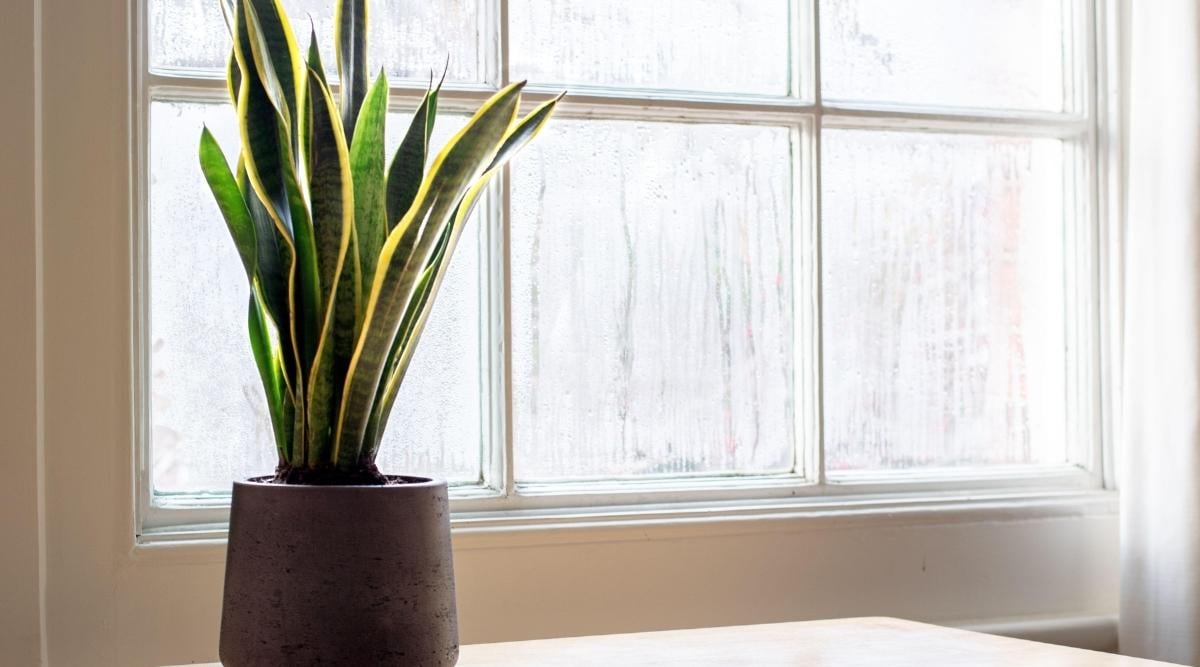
[616, 523]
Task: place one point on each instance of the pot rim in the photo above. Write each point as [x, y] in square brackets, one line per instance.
[411, 483]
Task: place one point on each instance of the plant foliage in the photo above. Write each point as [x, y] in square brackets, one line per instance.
[344, 253]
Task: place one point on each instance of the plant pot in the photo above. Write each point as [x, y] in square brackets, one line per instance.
[339, 575]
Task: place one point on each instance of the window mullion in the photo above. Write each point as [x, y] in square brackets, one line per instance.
[817, 456]
[503, 288]
[501, 33]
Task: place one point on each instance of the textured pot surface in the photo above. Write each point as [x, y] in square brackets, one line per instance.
[339, 575]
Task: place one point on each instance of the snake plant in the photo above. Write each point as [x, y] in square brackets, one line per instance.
[344, 253]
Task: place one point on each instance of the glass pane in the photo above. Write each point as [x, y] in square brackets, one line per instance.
[944, 309]
[652, 300]
[716, 46]
[983, 53]
[409, 38]
[207, 412]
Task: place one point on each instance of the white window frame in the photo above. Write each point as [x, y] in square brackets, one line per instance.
[498, 501]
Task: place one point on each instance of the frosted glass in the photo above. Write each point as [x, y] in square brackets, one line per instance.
[407, 37]
[716, 45]
[208, 417]
[652, 300]
[977, 53]
[944, 308]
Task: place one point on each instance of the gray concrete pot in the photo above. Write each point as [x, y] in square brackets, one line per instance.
[339, 575]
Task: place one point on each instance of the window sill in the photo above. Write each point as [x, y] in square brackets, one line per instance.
[618, 523]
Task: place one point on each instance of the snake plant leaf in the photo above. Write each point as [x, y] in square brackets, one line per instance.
[332, 189]
[344, 253]
[313, 64]
[227, 14]
[232, 73]
[314, 58]
[331, 184]
[348, 307]
[273, 260]
[403, 346]
[408, 164]
[266, 156]
[229, 199]
[366, 162]
[275, 160]
[385, 394]
[268, 357]
[405, 255]
[350, 47]
[233, 77]
[525, 131]
[283, 63]
[413, 323]
[261, 126]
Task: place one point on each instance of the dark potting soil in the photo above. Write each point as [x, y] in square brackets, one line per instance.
[366, 476]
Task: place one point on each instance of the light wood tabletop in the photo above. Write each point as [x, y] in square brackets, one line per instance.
[849, 642]
[852, 642]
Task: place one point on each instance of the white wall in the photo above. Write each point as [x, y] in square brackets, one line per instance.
[19, 606]
[960, 568]
[107, 603]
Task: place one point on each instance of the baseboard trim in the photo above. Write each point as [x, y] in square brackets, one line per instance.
[1097, 633]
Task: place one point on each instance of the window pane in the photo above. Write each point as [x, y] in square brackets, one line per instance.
[409, 38]
[717, 45]
[983, 53]
[944, 306]
[652, 300]
[207, 412]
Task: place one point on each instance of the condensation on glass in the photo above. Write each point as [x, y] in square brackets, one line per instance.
[208, 416]
[1007, 54]
[724, 46]
[411, 38]
[652, 300]
[944, 300]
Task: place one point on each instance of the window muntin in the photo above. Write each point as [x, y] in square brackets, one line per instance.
[490, 412]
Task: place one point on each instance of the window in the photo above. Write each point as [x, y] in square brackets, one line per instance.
[767, 248]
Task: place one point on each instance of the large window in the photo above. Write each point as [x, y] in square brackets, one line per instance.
[767, 248]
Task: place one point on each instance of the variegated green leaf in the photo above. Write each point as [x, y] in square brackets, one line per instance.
[268, 357]
[233, 75]
[344, 253]
[408, 164]
[332, 191]
[305, 139]
[406, 254]
[229, 199]
[413, 323]
[350, 47]
[525, 131]
[314, 58]
[273, 262]
[261, 124]
[366, 162]
[283, 62]
[275, 160]
[270, 172]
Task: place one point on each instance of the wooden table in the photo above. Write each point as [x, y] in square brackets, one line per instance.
[850, 642]
[853, 642]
